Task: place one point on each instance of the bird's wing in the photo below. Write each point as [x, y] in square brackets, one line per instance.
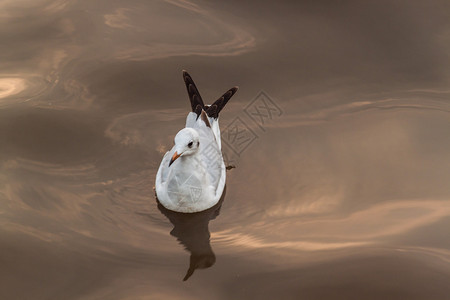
[194, 95]
[214, 109]
[191, 119]
[163, 171]
[210, 154]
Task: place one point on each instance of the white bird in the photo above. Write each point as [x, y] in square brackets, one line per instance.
[191, 177]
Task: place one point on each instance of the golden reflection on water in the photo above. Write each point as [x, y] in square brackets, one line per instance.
[11, 86]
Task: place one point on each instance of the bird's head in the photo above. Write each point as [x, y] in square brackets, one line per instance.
[187, 142]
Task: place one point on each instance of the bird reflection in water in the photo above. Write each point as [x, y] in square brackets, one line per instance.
[191, 230]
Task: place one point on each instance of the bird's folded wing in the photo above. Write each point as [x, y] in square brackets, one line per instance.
[164, 167]
[210, 155]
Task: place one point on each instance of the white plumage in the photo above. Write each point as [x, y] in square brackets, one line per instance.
[192, 175]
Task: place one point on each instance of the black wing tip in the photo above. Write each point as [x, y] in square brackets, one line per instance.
[194, 94]
[233, 90]
[197, 104]
[214, 110]
[198, 110]
[187, 78]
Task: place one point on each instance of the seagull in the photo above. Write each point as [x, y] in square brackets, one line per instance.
[191, 176]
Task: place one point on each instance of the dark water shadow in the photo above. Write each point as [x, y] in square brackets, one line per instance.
[191, 230]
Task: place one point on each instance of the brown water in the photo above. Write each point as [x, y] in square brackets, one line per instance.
[341, 186]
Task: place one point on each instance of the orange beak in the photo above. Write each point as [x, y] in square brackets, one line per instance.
[174, 157]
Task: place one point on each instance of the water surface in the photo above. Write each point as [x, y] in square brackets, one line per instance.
[341, 186]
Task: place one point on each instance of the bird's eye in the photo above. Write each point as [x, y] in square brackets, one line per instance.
[190, 144]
